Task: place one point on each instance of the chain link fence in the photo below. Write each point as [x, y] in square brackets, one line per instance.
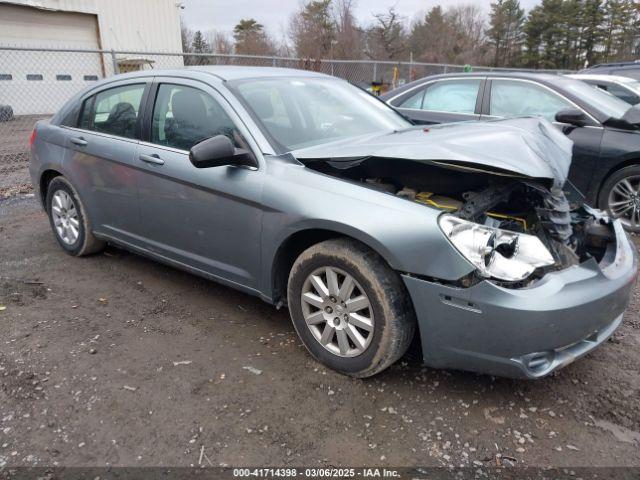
[36, 82]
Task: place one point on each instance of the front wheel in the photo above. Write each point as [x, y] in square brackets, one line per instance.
[350, 309]
[620, 196]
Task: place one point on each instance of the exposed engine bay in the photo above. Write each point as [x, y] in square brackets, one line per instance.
[513, 216]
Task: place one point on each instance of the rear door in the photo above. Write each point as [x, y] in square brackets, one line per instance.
[442, 101]
[209, 219]
[508, 97]
[101, 160]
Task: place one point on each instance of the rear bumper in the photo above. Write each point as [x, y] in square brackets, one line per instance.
[529, 332]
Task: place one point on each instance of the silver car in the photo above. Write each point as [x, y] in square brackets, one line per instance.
[310, 193]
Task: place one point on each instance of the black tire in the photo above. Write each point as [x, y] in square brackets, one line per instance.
[6, 113]
[610, 183]
[394, 317]
[86, 243]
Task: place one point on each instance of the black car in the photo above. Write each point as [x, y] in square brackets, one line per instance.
[624, 69]
[625, 88]
[605, 130]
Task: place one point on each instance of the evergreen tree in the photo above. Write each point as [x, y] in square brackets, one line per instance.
[505, 33]
[313, 29]
[429, 39]
[593, 32]
[251, 39]
[200, 45]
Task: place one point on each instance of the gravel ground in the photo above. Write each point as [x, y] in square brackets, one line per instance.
[117, 360]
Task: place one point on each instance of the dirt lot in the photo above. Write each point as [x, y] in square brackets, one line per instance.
[114, 359]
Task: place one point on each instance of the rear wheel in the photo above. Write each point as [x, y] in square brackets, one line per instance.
[621, 197]
[69, 220]
[350, 309]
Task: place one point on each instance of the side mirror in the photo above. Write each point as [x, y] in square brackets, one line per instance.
[572, 116]
[219, 151]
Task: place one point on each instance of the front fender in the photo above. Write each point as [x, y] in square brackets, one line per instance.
[405, 233]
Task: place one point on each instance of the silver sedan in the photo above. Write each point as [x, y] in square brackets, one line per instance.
[310, 193]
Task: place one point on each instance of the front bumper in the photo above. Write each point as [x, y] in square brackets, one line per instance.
[528, 332]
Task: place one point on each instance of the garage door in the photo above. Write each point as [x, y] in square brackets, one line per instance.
[26, 26]
[40, 82]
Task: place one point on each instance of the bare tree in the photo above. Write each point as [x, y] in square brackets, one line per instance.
[220, 42]
[186, 35]
[386, 39]
[348, 43]
[468, 28]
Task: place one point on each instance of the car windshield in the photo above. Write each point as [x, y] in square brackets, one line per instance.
[606, 103]
[306, 111]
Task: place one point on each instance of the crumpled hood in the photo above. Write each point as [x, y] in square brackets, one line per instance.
[529, 147]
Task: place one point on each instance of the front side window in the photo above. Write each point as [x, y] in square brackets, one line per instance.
[455, 96]
[414, 101]
[184, 116]
[115, 111]
[524, 99]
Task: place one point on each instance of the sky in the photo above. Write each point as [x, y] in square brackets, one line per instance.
[223, 15]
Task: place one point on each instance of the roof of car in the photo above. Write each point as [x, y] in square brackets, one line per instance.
[235, 72]
[227, 72]
[631, 63]
[602, 78]
[542, 77]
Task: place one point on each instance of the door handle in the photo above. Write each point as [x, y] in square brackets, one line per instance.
[79, 141]
[155, 159]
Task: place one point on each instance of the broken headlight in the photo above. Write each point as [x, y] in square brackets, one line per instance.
[496, 253]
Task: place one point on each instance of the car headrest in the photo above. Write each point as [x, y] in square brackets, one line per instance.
[188, 107]
[121, 111]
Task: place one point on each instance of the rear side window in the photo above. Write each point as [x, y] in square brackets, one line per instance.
[455, 96]
[184, 116]
[114, 111]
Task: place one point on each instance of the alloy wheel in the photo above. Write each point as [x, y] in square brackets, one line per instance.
[624, 201]
[337, 311]
[65, 217]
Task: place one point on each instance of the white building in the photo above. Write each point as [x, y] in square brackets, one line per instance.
[38, 82]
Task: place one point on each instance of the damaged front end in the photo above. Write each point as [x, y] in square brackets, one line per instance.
[518, 233]
[549, 278]
[510, 218]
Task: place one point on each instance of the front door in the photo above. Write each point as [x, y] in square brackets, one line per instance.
[208, 219]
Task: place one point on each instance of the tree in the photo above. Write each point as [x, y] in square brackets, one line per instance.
[621, 27]
[348, 37]
[386, 39]
[593, 35]
[220, 43]
[186, 35]
[429, 38]
[199, 45]
[506, 31]
[467, 24]
[313, 29]
[251, 38]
